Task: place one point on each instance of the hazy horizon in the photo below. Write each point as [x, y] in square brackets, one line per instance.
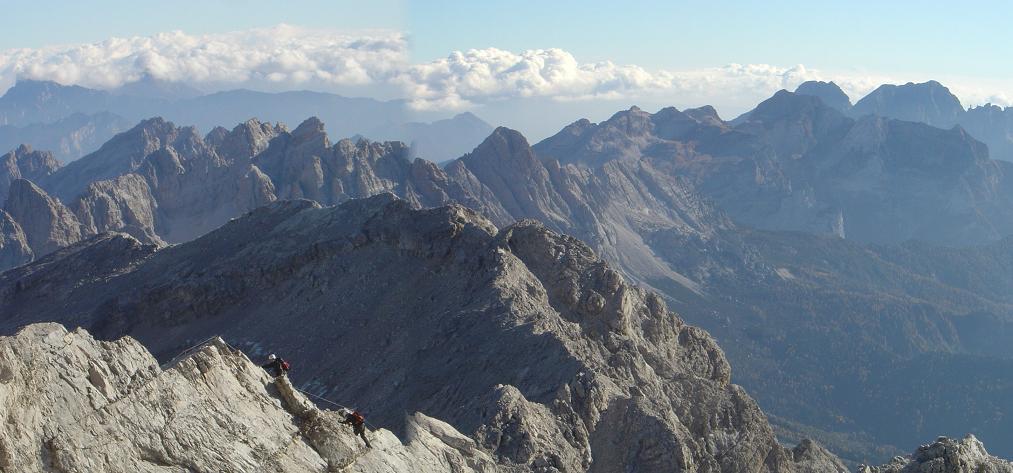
[507, 67]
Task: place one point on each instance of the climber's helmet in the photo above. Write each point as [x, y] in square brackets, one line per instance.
[272, 357]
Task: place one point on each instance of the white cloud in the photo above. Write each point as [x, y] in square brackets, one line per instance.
[288, 56]
[282, 54]
[465, 79]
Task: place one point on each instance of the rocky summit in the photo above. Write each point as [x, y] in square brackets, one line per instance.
[946, 455]
[520, 338]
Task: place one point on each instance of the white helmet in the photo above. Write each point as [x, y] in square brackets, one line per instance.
[344, 411]
[272, 357]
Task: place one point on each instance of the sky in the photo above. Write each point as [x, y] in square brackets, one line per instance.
[496, 58]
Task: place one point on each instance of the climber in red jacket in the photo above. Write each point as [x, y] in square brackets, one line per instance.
[357, 421]
[276, 366]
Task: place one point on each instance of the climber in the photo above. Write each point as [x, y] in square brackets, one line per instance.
[358, 423]
[276, 366]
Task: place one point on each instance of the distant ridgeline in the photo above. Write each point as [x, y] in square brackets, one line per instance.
[72, 121]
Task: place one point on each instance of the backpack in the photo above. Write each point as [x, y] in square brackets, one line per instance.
[285, 366]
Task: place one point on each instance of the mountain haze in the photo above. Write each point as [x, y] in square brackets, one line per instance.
[72, 120]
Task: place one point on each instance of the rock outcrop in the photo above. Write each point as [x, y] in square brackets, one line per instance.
[76, 404]
[47, 224]
[14, 248]
[521, 338]
[946, 455]
[24, 163]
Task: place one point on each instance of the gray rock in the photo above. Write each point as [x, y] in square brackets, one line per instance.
[24, 163]
[522, 338]
[74, 403]
[946, 455]
[48, 225]
[14, 247]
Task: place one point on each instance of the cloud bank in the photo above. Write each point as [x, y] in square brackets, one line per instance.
[288, 57]
[283, 54]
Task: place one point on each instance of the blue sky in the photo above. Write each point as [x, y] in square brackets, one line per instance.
[36, 24]
[966, 38]
[561, 58]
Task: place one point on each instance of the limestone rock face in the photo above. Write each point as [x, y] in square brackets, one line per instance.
[520, 338]
[946, 455]
[304, 164]
[123, 204]
[75, 404]
[813, 458]
[24, 163]
[47, 223]
[14, 248]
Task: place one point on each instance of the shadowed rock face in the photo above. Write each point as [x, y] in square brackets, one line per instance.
[946, 456]
[24, 163]
[518, 337]
[74, 403]
[48, 225]
[14, 247]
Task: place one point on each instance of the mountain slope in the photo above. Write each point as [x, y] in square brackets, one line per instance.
[519, 337]
[797, 164]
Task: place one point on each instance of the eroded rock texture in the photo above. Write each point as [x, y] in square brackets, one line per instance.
[520, 338]
[76, 404]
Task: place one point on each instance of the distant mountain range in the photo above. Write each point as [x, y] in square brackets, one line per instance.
[72, 120]
[930, 103]
[785, 233]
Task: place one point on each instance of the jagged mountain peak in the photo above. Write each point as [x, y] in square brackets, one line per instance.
[786, 104]
[829, 92]
[502, 143]
[928, 102]
[25, 163]
[705, 114]
[309, 126]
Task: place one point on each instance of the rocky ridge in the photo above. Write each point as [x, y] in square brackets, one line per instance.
[24, 163]
[76, 404]
[520, 338]
[945, 455]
